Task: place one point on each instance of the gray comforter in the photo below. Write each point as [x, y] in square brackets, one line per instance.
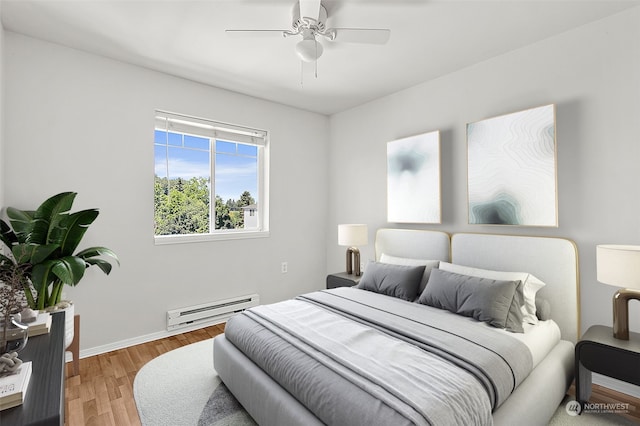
[355, 357]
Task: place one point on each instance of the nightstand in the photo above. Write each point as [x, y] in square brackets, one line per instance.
[342, 279]
[599, 352]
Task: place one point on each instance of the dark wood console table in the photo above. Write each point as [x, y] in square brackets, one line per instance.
[44, 403]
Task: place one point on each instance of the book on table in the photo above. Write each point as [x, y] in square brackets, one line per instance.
[41, 325]
[13, 388]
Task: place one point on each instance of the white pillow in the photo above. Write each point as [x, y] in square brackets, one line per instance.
[530, 285]
[407, 261]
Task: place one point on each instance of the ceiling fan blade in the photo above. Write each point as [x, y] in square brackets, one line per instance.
[361, 35]
[255, 33]
[310, 9]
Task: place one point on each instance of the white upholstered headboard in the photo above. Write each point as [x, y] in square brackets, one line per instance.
[553, 260]
[416, 244]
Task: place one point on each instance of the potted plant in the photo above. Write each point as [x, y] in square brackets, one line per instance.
[45, 239]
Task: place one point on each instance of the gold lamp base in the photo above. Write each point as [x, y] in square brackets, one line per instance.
[621, 312]
[353, 256]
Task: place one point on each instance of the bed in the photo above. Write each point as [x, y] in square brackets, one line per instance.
[350, 362]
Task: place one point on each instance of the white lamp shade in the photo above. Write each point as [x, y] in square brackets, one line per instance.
[618, 265]
[353, 235]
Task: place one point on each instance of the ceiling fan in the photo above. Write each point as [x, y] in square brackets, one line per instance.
[309, 19]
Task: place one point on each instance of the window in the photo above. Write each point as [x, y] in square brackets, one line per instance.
[210, 180]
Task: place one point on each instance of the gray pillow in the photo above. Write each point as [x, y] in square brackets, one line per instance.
[492, 301]
[428, 266]
[543, 309]
[399, 281]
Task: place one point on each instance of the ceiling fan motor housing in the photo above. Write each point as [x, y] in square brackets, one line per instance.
[301, 22]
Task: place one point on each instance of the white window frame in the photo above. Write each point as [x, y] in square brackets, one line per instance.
[167, 121]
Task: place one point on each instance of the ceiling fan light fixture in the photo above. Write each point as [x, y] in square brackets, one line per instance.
[309, 50]
[308, 19]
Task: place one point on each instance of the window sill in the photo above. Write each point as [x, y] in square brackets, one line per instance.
[198, 238]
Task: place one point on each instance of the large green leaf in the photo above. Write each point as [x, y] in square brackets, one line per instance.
[71, 229]
[91, 252]
[90, 256]
[69, 269]
[100, 263]
[32, 253]
[48, 215]
[21, 221]
[22, 252]
[7, 235]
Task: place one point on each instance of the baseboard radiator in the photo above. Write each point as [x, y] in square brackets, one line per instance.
[209, 313]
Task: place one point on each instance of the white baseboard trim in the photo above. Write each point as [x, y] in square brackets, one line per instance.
[98, 350]
[616, 385]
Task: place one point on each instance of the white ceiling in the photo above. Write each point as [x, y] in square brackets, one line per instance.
[187, 39]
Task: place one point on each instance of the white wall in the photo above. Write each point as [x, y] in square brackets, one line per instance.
[2, 156]
[591, 73]
[75, 121]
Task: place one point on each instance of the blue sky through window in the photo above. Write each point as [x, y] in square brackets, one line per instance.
[236, 168]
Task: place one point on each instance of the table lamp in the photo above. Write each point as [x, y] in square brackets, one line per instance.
[619, 265]
[353, 235]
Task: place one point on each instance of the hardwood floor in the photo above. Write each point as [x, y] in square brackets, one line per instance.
[102, 394]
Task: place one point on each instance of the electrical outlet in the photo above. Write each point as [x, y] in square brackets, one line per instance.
[284, 267]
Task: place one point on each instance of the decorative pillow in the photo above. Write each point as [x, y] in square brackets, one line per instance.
[530, 285]
[399, 281]
[543, 309]
[428, 266]
[485, 299]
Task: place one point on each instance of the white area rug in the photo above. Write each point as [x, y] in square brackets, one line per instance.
[181, 387]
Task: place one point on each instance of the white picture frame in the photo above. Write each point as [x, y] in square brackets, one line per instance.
[512, 169]
[413, 179]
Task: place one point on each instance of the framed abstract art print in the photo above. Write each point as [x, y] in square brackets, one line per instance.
[413, 179]
[512, 169]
